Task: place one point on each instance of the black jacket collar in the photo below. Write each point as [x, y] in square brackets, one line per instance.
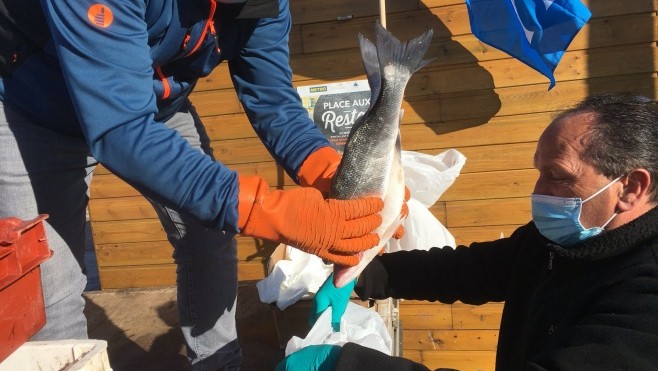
[616, 241]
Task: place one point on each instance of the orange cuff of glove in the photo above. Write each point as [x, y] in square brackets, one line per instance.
[262, 223]
[250, 190]
[319, 168]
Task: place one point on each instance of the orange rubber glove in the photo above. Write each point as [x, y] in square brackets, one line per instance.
[335, 230]
[403, 214]
[319, 168]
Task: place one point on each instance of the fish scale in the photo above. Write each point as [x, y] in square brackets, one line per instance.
[371, 163]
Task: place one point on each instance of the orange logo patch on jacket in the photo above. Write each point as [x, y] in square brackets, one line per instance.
[100, 15]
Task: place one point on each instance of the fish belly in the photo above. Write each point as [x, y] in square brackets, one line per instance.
[393, 197]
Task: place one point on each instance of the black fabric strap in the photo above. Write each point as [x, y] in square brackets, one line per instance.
[260, 9]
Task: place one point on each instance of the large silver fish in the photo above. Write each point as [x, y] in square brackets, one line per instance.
[371, 164]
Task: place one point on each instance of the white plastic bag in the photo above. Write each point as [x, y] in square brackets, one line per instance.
[427, 177]
[422, 231]
[359, 325]
[294, 277]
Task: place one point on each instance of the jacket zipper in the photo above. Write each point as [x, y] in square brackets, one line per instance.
[210, 26]
[165, 83]
[214, 36]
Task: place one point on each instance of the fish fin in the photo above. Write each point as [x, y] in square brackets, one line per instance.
[408, 54]
[371, 66]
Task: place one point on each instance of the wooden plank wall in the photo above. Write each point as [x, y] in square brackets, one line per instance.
[473, 98]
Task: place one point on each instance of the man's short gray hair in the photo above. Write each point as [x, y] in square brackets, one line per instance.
[624, 135]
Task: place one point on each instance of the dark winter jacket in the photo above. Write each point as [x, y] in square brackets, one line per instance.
[593, 306]
[113, 71]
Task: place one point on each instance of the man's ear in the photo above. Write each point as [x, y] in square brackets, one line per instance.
[635, 189]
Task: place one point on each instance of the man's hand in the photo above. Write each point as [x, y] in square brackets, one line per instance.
[335, 230]
[399, 233]
[319, 168]
[330, 296]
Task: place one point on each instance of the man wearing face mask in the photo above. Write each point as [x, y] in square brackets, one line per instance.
[579, 282]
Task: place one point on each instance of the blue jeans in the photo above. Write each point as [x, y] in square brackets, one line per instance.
[43, 172]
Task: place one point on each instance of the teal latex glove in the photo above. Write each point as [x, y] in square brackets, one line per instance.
[329, 296]
[312, 358]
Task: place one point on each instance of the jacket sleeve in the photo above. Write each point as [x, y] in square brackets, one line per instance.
[356, 357]
[106, 62]
[476, 274]
[263, 81]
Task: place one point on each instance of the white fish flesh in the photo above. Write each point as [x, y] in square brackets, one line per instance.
[371, 164]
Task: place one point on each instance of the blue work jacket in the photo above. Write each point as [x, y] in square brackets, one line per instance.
[114, 71]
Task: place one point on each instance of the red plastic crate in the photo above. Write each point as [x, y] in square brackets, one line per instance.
[23, 247]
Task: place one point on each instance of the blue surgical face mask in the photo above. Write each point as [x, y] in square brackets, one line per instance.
[558, 218]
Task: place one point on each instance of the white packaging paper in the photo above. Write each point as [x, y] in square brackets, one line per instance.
[358, 325]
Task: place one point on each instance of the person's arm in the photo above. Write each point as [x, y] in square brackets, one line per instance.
[476, 274]
[107, 66]
[262, 77]
[350, 356]
[356, 357]
[438, 274]
[105, 59]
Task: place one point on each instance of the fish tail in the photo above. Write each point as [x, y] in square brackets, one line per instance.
[371, 66]
[406, 55]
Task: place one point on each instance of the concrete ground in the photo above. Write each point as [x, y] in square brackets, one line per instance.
[141, 328]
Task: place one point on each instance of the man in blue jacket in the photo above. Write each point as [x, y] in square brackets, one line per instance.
[86, 82]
